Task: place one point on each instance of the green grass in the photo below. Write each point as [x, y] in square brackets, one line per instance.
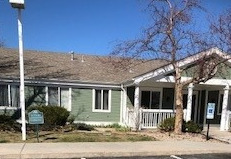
[74, 136]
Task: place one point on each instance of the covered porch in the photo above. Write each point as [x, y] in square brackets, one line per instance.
[151, 101]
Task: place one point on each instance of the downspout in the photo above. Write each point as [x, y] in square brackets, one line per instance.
[122, 107]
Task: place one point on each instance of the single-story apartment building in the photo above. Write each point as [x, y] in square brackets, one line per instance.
[98, 92]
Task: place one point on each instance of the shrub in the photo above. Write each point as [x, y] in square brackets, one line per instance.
[53, 116]
[8, 124]
[167, 125]
[192, 127]
[83, 126]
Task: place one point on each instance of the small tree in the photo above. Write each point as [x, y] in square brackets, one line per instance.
[170, 37]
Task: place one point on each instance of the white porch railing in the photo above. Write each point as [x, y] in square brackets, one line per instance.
[150, 118]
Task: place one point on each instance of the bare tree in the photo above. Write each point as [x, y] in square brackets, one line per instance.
[221, 30]
[171, 37]
[2, 44]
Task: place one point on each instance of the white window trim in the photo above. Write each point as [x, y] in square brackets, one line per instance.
[152, 90]
[59, 96]
[47, 96]
[9, 106]
[9, 96]
[109, 101]
[70, 99]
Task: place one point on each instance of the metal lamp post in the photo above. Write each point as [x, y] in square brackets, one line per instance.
[19, 4]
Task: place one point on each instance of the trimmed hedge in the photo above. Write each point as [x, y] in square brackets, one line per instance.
[54, 116]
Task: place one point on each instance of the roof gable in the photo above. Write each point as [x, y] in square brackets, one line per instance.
[186, 62]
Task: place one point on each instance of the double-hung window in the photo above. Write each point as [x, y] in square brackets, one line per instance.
[101, 100]
[53, 96]
[59, 97]
[14, 91]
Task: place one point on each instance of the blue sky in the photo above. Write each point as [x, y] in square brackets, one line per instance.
[82, 26]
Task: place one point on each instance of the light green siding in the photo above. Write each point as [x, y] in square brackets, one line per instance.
[223, 72]
[82, 107]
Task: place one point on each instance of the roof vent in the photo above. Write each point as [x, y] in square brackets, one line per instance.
[131, 71]
[82, 60]
[72, 55]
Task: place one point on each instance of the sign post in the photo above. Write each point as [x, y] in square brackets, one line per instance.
[36, 118]
[209, 116]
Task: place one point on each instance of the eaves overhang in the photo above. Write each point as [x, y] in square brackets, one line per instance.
[167, 69]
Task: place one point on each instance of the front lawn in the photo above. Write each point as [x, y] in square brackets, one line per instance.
[74, 136]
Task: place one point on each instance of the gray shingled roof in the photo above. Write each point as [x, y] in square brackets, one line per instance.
[59, 66]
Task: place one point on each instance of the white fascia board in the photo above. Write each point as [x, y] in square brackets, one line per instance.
[154, 73]
[218, 82]
[63, 83]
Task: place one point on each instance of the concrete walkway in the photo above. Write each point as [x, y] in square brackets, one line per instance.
[106, 149]
[214, 132]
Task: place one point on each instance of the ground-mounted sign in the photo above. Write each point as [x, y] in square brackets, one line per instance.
[210, 111]
[36, 117]
[209, 116]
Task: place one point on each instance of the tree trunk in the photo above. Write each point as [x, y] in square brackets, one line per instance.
[179, 107]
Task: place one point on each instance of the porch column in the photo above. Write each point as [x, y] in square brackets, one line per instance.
[224, 117]
[136, 125]
[189, 102]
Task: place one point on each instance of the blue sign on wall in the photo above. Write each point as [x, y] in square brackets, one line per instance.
[36, 117]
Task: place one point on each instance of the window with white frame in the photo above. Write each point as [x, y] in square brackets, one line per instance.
[14, 92]
[59, 96]
[35, 95]
[151, 99]
[64, 97]
[101, 100]
[4, 100]
[53, 96]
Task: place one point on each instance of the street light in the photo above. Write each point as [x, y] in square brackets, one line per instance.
[19, 4]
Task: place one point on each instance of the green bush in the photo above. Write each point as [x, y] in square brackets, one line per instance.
[192, 127]
[54, 116]
[83, 126]
[8, 124]
[167, 125]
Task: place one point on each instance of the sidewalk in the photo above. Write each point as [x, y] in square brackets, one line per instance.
[106, 149]
[215, 133]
